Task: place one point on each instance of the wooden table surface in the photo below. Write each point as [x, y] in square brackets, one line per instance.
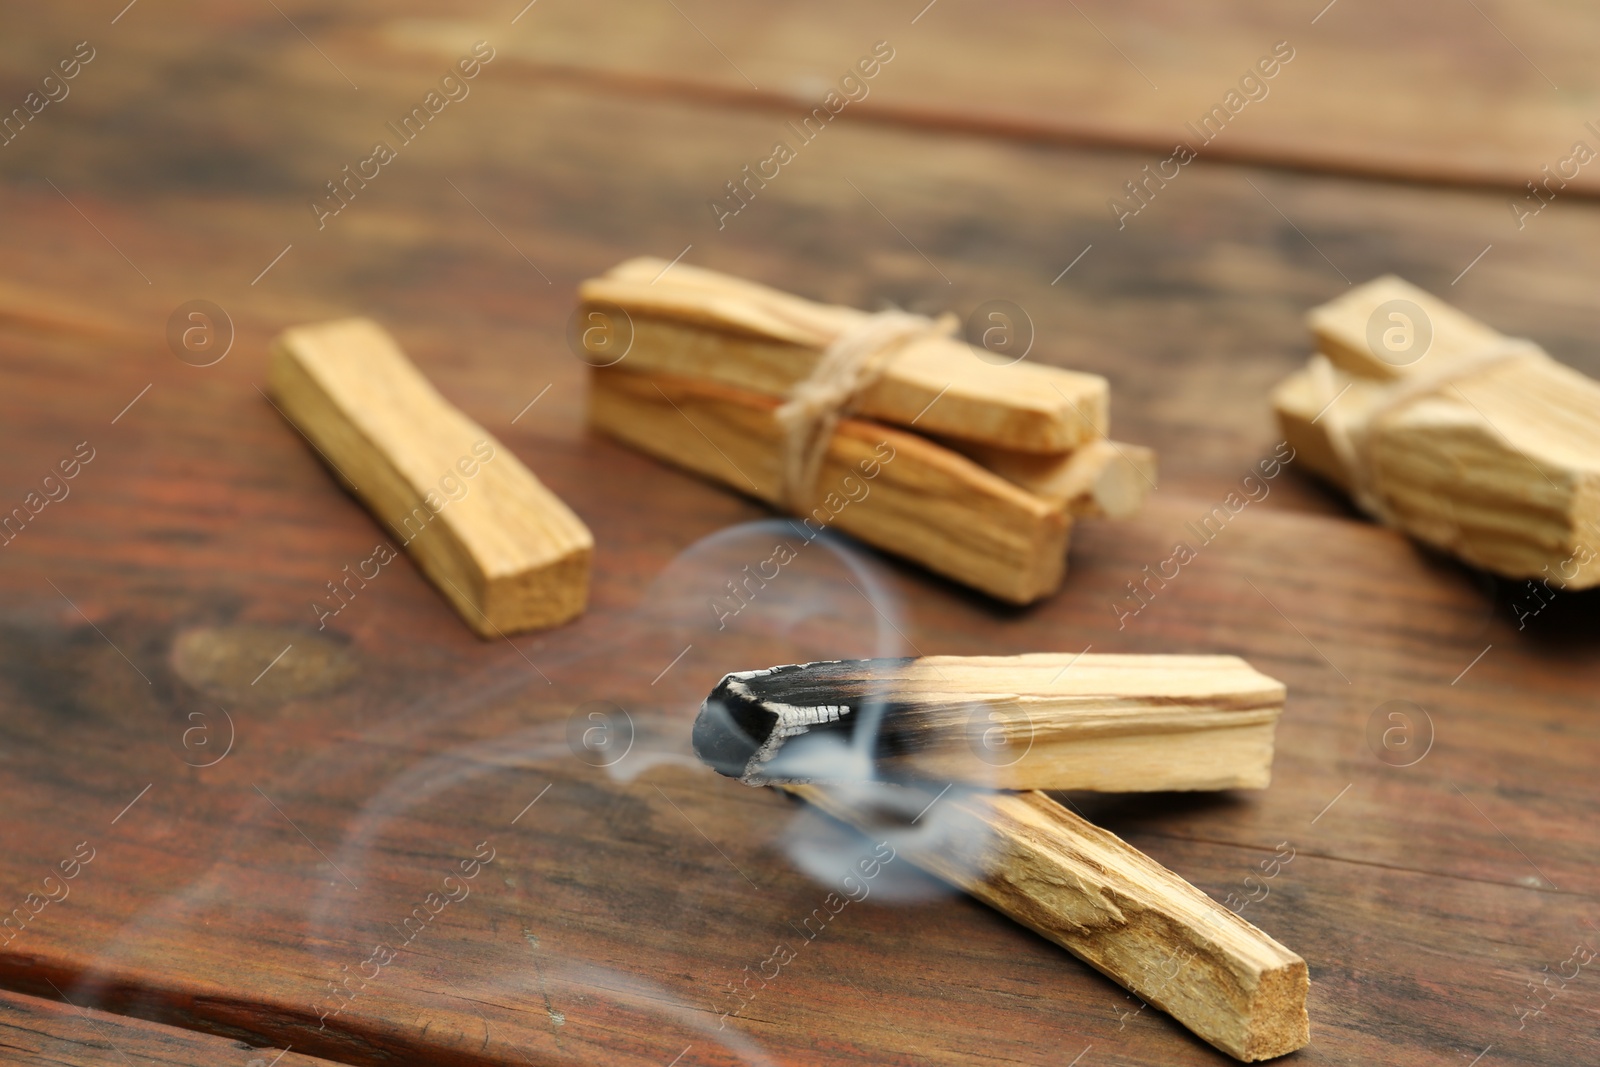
[263, 802]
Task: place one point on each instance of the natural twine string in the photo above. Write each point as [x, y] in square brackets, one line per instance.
[852, 362]
[1353, 440]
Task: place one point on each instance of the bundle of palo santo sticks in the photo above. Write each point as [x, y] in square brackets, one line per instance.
[972, 469]
[1473, 442]
[871, 741]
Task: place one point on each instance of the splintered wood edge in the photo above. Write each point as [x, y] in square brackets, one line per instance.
[1114, 908]
[1249, 995]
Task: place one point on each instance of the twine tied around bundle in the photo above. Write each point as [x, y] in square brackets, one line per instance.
[1353, 441]
[852, 362]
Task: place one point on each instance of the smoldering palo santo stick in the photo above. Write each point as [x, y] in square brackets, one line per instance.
[1122, 723]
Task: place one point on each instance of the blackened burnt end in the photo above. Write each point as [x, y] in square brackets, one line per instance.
[738, 719]
[730, 730]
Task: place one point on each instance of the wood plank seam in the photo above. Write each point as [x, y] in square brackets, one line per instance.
[1484, 177]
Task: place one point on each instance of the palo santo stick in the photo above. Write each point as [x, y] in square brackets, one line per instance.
[1499, 466]
[1341, 328]
[896, 490]
[1299, 403]
[1107, 903]
[1107, 479]
[503, 549]
[1040, 721]
[697, 323]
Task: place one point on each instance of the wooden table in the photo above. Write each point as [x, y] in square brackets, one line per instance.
[265, 801]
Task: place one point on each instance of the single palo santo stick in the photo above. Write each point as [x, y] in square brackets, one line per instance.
[1105, 479]
[1104, 901]
[1299, 403]
[696, 323]
[503, 549]
[1470, 441]
[1040, 721]
[1364, 342]
[896, 490]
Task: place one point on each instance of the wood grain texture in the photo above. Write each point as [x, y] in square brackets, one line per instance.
[1424, 897]
[1357, 97]
[505, 551]
[1147, 929]
[895, 490]
[37, 1031]
[1032, 721]
[1103, 479]
[694, 323]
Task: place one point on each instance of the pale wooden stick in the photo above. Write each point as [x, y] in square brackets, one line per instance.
[892, 489]
[1107, 903]
[697, 323]
[503, 549]
[1039, 721]
[1345, 326]
[1104, 479]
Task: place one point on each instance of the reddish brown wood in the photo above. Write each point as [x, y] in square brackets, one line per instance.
[33, 1030]
[1360, 97]
[1349, 102]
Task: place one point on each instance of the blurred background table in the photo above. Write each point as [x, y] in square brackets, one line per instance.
[265, 801]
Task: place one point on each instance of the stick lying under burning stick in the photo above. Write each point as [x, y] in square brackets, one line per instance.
[832, 732]
[1110, 905]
